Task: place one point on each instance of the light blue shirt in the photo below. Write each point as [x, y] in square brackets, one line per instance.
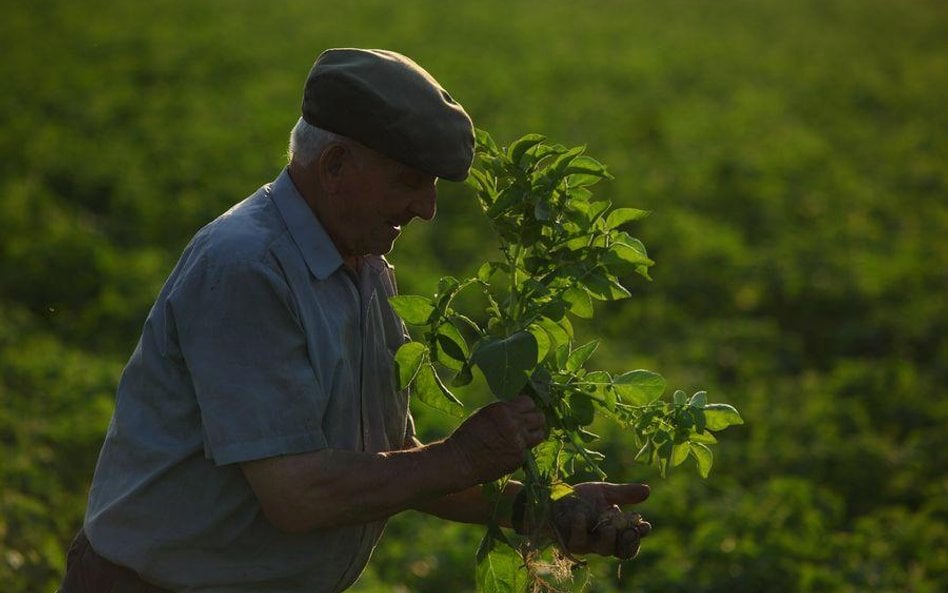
[261, 343]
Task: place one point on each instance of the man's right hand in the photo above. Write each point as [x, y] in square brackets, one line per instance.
[493, 441]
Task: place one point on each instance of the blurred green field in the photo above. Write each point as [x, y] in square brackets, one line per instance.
[795, 155]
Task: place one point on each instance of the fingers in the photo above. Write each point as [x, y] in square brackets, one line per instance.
[608, 532]
[522, 403]
[605, 532]
[619, 494]
[527, 419]
[627, 544]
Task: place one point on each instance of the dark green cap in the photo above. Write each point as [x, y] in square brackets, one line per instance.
[390, 104]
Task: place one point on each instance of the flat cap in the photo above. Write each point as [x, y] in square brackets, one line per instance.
[389, 103]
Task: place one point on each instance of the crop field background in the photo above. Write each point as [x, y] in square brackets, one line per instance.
[794, 155]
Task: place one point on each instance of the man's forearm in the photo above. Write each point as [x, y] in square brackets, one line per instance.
[331, 487]
[472, 505]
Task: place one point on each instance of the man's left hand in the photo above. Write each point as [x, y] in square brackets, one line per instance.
[590, 519]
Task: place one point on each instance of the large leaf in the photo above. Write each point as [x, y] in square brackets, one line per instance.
[543, 341]
[485, 143]
[620, 216]
[507, 363]
[557, 333]
[430, 390]
[508, 198]
[639, 387]
[604, 287]
[558, 166]
[720, 416]
[413, 309]
[578, 357]
[408, 360]
[580, 302]
[499, 567]
[520, 146]
[452, 348]
[585, 171]
[622, 258]
[703, 456]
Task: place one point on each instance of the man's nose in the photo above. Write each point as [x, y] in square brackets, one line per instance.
[425, 205]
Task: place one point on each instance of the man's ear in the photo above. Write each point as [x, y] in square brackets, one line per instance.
[330, 166]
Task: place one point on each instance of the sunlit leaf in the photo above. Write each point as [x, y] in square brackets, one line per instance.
[408, 360]
[639, 387]
[579, 356]
[518, 147]
[498, 568]
[507, 363]
[680, 453]
[580, 302]
[452, 345]
[703, 456]
[430, 390]
[413, 309]
[620, 216]
[720, 416]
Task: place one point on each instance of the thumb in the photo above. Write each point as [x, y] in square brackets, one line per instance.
[624, 493]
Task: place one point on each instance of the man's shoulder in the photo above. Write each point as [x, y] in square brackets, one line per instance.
[245, 233]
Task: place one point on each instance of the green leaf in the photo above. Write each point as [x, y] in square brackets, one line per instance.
[702, 437]
[508, 198]
[639, 387]
[703, 456]
[585, 171]
[499, 567]
[452, 346]
[430, 390]
[604, 287]
[413, 309]
[679, 397]
[543, 210]
[698, 400]
[556, 169]
[597, 208]
[622, 258]
[587, 165]
[680, 453]
[558, 335]
[579, 356]
[408, 360]
[507, 363]
[581, 409]
[543, 341]
[488, 269]
[620, 216]
[559, 490]
[599, 388]
[464, 377]
[485, 143]
[580, 302]
[546, 454]
[518, 147]
[720, 416]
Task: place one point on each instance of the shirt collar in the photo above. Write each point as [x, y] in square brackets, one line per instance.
[321, 256]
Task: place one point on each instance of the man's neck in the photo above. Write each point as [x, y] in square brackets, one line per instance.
[353, 262]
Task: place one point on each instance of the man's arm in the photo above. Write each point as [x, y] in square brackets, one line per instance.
[331, 487]
[588, 521]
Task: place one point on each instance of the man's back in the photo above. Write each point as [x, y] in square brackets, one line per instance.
[247, 353]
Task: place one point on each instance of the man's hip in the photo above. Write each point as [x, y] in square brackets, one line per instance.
[87, 572]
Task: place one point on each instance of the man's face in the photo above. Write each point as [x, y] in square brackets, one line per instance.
[376, 198]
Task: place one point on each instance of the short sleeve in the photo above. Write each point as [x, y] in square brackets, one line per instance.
[240, 336]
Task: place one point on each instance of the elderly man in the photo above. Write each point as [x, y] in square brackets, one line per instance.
[259, 441]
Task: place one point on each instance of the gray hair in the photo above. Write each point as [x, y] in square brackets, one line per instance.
[308, 142]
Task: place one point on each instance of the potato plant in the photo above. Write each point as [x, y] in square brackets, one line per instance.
[561, 252]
